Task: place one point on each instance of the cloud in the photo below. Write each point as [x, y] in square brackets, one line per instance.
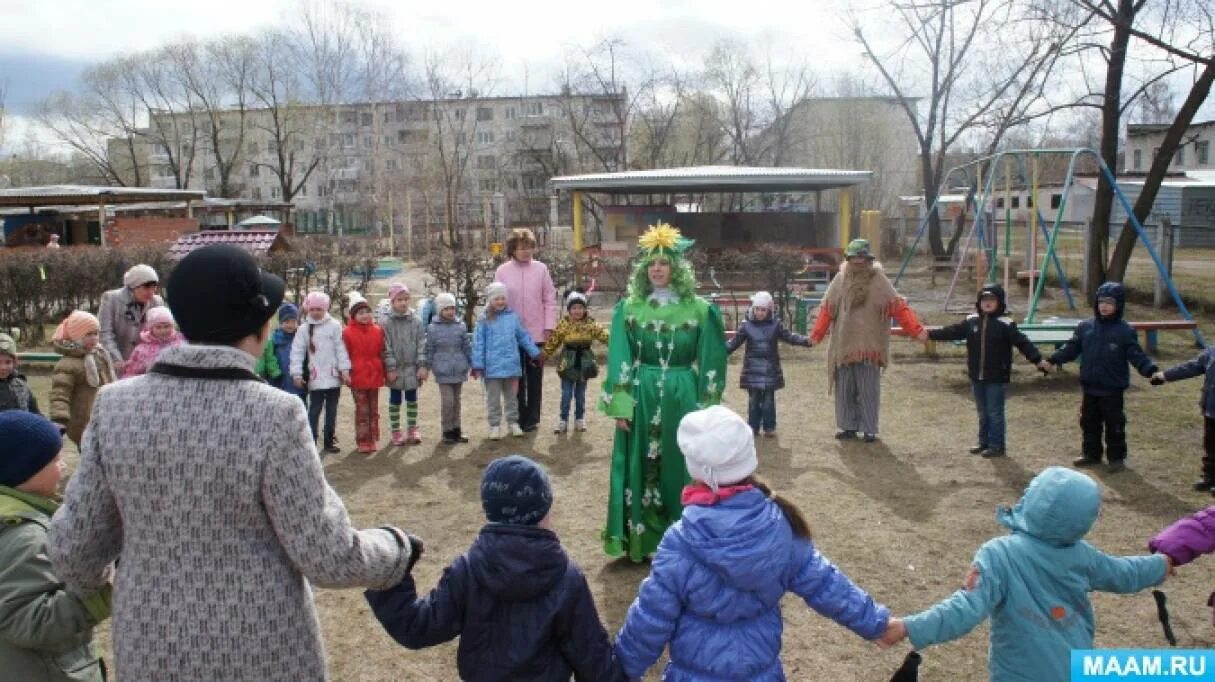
[28, 77]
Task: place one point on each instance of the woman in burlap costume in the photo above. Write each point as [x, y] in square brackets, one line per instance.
[856, 312]
[666, 358]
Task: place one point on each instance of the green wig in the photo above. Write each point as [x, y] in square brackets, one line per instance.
[662, 241]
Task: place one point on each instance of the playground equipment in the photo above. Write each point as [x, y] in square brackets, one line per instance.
[980, 204]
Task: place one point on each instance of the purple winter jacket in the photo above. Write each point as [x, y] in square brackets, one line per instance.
[1187, 539]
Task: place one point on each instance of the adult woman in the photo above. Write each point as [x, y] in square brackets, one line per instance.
[204, 480]
[123, 310]
[666, 358]
[532, 296]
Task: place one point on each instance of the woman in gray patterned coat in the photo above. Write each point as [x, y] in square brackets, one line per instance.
[123, 310]
[213, 499]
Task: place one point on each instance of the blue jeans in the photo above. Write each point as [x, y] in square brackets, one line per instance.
[326, 398]
[761, 410]
[577, 391]
[989, 400]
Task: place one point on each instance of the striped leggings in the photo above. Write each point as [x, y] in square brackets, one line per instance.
[858, 396]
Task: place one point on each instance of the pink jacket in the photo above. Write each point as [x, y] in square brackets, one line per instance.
[144, 355]
[531, 295]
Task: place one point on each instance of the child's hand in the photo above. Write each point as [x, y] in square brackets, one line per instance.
[1171, 569]
[622, 424]
[416, 549]
[1158, 379]
[971, 581]
[1045, 367]
[895, 633]
[922, 336]
[346, 378]
[392, 377]
[422, 374]
[475, 374]
[299, 382]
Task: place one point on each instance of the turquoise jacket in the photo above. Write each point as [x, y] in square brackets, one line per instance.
[1034, 582]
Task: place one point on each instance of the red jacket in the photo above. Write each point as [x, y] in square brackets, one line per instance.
[365, 344]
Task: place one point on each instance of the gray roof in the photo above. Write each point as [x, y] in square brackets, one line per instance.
[712, 179]
[76, 195]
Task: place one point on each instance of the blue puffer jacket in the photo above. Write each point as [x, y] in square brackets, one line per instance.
[1199, 365]
[448, 355]
[496, 345]
[521, 608]
[714, 593]
[282, 352]
[761, 360]
[1107, 345]
[1034, 583]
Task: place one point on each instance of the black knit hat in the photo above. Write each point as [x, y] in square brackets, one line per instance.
[515, 490]
[218, 294]
[28, 442]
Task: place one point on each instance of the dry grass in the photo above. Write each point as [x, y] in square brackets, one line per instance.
[902, 517]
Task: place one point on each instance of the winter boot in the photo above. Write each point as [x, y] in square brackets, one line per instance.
[580, 424]
[459, 434]
[413, 436]
[398, 438]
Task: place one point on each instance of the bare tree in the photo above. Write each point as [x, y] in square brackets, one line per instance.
[963, 94]
[285, 118]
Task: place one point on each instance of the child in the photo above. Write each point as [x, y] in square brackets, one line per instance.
[365, 344]
[498, 335]
[404, 352]
[15, 393]
[46, 632]
[1199, 365]
[160, 333]
[85, 367]
[1186, 540]
[576, 331]
[318, 347]
[278, 347]
[761, 373]
[449, 356]
[1034, 582]
[990, 338]
[717, 580]
[520, 606]
[1107, 343]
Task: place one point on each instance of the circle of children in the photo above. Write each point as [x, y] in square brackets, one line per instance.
[521, 607]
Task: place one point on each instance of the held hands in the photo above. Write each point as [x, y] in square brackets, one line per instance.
[476, 374]
[392, 377]
[422, 374]
[623, 425]
[346, 378]
[1171, 569]
[895, 633]
[416, 549]
[922, 336]
[1045, 367]
[1158, 379]
[299, 382]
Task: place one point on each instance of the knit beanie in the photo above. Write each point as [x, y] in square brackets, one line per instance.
[158, 315]
[8, 346]
[28, 442]
[396, 288]
[515, 490]
[316, 299]
[495, 290]
[139, 275]
[718, 446]
[77, 325]
[761, 299]
[444, 300]
[288, 311]
[219, 295]
[353, 301]
[575, 297]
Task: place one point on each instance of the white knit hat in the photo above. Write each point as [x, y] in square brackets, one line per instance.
[353, 299]
[718, 446]
[139, 275]
[444, 300]
[761, 299]
[494, 290]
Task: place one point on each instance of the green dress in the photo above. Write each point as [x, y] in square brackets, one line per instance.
[664, 361]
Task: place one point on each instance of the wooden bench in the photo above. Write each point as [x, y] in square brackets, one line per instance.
[1058, 333]
[1151, 327]
[1024, 275]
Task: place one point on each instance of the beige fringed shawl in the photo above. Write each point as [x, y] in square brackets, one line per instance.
[859, 306]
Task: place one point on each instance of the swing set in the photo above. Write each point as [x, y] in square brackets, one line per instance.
[1010, 166]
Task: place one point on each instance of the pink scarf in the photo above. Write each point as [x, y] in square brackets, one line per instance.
[702, 495]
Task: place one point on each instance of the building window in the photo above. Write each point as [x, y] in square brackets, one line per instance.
[350, 117]
[390, 164]
[1016, 202]
[488, 185]
[1056, 200]
[302, 191]
[366, 119]
[257, 192]
[1180, 157]
[460, 139]
[460, 114]
[1155, 153]
[485, 114]
[512, 135]
[367, 141]
[533, 109]
[1029, 201]
[254, 170]
[274, 192]
[1202, 150]
[532, 182]
[488, 162]
[252, 149]
[388, 141]
[485, 137]
[1138, 159]
[209, 173]
[510, 112]
[999, 202]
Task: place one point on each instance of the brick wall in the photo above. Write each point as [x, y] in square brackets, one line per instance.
[137, 230]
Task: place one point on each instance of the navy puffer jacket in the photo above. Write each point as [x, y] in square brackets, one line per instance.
[1203, 364]
[1107, 345]
[714, 593]
[521, 608]
[761, 361]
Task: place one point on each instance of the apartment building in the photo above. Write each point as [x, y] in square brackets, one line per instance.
[1195, 152]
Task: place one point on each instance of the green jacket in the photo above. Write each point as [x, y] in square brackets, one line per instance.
[45, 631]
[267, 363]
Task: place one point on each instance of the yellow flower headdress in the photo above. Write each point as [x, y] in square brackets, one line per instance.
[664, 239]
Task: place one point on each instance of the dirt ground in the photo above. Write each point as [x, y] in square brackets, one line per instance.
[902, 517]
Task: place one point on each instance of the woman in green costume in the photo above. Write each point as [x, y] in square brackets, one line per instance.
[666, 358]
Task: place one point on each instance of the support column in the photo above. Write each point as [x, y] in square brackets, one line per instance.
[845, 216]
[100, 223]
[577, 210]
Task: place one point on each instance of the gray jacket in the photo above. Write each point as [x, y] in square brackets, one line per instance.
[217, 505]
[404, 348]
[448, 351]
[121, 318]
